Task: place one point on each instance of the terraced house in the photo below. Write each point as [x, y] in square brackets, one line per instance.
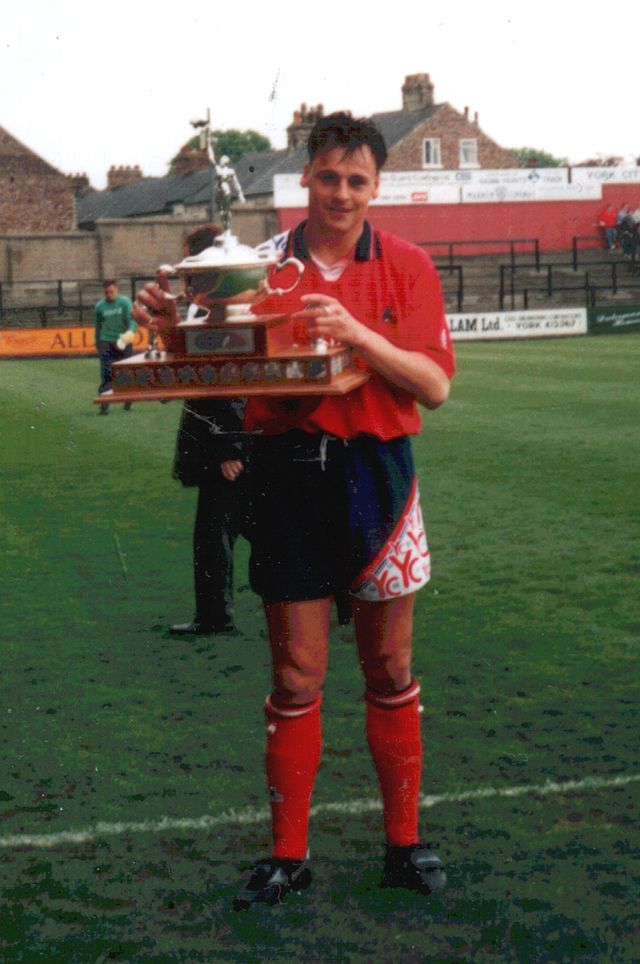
[34, 196]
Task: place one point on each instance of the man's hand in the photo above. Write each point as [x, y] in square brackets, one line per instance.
[155, 306]
[231, 469]
[327, 318]
[126, 338]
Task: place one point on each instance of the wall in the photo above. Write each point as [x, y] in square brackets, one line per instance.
[117, 248]
[48, 256]
[125, 248]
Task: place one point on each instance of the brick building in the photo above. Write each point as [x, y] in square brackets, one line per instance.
[34, 196]
[424, 135]
[421, 135]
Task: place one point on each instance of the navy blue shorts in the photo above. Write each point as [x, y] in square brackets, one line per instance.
[334, 516]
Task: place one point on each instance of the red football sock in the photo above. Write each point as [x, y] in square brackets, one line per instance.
[294, 742]
[393, 734]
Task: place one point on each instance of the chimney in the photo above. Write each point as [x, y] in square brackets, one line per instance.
[417, 92]
[189, 159]
[117, 176]
[303, 121]
[79, 184]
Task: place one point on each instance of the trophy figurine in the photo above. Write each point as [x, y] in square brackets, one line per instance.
[228, 188]
[221, 347]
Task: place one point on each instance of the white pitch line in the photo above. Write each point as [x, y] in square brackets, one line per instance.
[262, 815]
[121, 556]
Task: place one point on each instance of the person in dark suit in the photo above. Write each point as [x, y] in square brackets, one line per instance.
[211, 454]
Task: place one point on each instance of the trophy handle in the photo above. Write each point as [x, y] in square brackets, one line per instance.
[298, 265]
[193, 313]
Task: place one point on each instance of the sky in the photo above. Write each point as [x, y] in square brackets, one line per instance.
[89, 85]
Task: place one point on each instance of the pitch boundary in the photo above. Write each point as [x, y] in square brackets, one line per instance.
[350, 807]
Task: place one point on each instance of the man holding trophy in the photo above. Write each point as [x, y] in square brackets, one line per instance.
[336, 508]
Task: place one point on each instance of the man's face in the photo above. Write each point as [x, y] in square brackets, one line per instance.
[341, 187]
[110, 292]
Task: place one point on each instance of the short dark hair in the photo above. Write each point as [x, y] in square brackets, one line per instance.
[108, 282]
[203, 237]
[342, 130]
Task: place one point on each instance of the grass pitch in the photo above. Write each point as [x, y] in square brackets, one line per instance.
[526, 644]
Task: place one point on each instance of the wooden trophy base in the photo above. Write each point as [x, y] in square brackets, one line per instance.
[232, 359]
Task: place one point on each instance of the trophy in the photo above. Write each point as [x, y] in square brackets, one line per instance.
[221, 348]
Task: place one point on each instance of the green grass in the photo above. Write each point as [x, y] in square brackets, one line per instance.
[526, 644]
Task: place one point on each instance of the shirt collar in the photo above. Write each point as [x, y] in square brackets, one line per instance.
[367, 246]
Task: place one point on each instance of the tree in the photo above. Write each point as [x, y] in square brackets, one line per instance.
[235, 143]
[530, 157]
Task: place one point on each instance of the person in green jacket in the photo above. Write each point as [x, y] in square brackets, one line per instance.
[115, 329]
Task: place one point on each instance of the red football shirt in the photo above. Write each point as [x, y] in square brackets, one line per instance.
[392, 287]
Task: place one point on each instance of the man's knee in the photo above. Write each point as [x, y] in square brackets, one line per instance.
[294, 684]
[389, 673]
[384, 632]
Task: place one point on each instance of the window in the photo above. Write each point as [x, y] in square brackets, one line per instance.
[431, 152]
[469, 152]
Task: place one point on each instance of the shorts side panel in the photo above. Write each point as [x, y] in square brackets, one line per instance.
[403, 564]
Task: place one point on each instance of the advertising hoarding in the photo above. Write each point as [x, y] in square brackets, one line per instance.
[492, 325]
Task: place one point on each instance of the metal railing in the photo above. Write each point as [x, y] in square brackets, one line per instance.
[459, 289]
[39, 303]
[70, 302]
[577, 240]
[504, 242]
[509, 290]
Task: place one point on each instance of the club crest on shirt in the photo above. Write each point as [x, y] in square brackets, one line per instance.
[388, 316]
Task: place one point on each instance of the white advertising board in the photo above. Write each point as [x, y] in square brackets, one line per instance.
[487, 194]
[518, 324]
[494, 176]
[510, 177]
[415, 192]
[466, 187]
[395, 188]
[624, 174]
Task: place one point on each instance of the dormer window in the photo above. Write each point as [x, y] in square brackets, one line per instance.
[431, 156]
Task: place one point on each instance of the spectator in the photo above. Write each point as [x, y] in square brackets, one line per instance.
[628, 234]
[607, 221]
[114, 333]
[211, 454]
